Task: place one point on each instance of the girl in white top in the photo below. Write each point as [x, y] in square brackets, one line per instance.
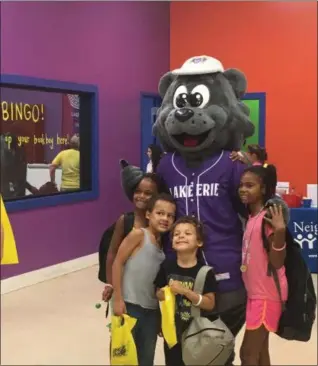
[154, 153]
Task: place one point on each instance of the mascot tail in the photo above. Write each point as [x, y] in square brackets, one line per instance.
[130, 177]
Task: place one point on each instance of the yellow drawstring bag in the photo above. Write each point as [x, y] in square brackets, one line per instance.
[168, 324]
[9, 254]
[123, 348]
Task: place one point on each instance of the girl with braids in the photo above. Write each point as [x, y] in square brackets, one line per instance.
[257, 187]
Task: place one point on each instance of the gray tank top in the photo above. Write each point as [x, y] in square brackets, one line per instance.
[140, 272]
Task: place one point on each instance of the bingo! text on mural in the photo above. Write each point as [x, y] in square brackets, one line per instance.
[16, 112]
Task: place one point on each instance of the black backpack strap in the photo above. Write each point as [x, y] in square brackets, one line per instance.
[271, 271]
[264, 237]
[102, 252]
[129, 219]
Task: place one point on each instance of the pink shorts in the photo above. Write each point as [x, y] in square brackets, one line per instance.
[263, 312]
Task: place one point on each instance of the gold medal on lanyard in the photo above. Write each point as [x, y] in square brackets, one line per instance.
[243, 268]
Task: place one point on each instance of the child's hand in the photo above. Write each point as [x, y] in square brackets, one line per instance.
[107, 293]
[160, 294]
[277, 218]
[176, 287]
[119, 307]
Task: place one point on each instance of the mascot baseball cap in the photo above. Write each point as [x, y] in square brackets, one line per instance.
[199, 65]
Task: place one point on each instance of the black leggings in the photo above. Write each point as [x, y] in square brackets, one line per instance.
[233, 318]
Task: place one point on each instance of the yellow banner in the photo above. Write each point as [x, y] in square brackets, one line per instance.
[9, 254]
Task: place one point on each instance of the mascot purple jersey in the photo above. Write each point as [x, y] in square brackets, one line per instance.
[209, 193]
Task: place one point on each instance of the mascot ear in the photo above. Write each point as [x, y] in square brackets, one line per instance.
[165, 82]
[237, 80]
[131, 176]
[244, 108]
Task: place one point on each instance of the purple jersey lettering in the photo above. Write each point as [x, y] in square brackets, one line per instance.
[209, 193]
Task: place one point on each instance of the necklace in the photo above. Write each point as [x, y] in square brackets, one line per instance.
[243, 267]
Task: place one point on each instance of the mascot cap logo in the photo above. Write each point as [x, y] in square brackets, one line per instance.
[199, 65]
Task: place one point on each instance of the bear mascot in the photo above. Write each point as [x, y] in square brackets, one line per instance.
[202, 119]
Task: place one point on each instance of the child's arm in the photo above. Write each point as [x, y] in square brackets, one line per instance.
[160, 282]
[160, 294]
[275, 233]
[115, 242]
[127, 247]
[277, 248]
[205, 301]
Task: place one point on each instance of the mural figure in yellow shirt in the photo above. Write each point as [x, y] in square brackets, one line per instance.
[69, 161]
[9, 253]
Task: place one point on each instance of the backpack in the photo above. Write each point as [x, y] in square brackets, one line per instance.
[129, 218]
[205, 342]
[299, 311]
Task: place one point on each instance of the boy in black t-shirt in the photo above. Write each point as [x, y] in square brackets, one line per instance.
[180, 274]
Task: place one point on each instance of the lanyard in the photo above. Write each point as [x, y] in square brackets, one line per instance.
[247, 249]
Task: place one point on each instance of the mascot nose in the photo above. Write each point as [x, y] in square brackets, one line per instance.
[183, 114]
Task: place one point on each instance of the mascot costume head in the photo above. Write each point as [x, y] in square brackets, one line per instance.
[202, 119]
[201, 111]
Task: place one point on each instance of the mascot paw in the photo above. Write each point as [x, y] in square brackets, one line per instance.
[279, 202]
[130, 177]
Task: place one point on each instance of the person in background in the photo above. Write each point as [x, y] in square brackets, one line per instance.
[134, 270]
[154, 153]
[255, 155]
[69, 161]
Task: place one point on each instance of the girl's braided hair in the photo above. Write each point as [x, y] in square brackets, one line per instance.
[268, 175]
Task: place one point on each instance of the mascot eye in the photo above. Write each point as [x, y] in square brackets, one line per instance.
[180, 98]
[200, 96]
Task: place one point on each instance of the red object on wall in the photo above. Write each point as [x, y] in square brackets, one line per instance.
[275, 45]
[292, 200]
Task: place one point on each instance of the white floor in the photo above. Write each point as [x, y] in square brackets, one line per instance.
[56, 323]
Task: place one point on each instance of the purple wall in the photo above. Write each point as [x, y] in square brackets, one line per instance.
[53, 113]
[123, 47]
